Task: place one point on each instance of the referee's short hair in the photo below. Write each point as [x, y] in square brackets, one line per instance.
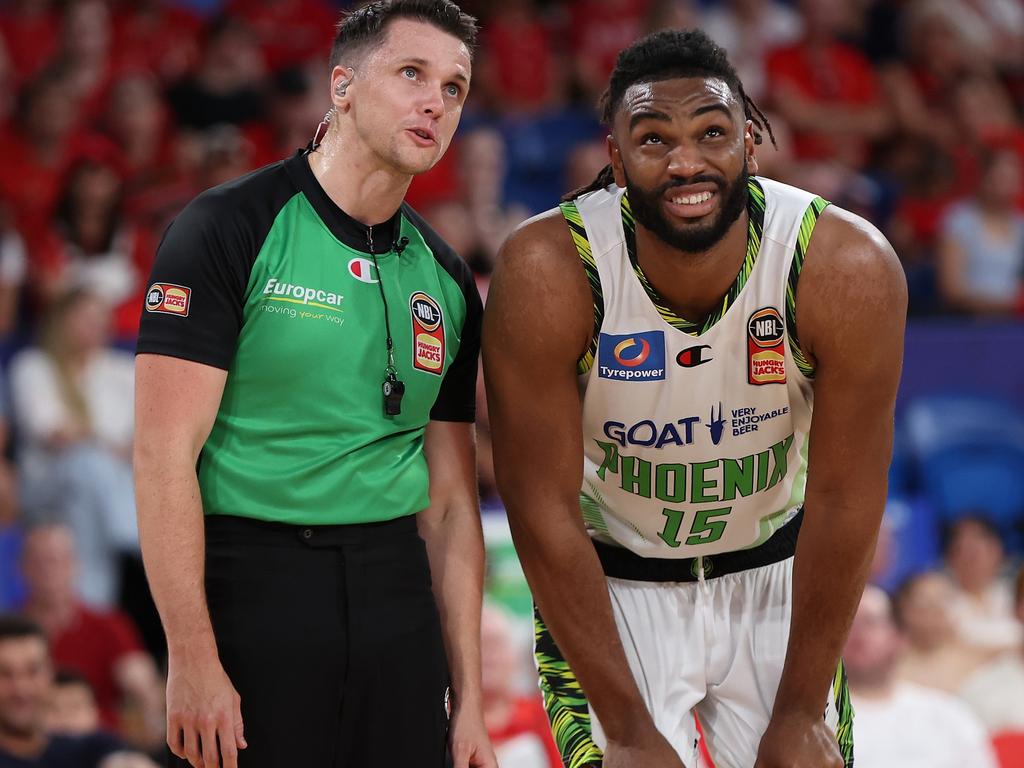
[366, 27]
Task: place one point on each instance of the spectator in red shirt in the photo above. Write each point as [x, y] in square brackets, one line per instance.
[826, 90]
[36, 149]
[519, 67]
[517, 723]
[598, 30]
[163, 36]
[310, 26]
[102, 646]
[30, 30]
[93, 245]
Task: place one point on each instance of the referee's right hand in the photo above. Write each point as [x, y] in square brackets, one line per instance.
[204, 712]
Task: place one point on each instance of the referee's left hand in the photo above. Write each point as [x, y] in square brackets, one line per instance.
[470, 745]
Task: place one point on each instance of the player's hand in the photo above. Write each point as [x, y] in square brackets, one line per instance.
[650, 750]
[470, 745]
[203, 709]
[798, 742]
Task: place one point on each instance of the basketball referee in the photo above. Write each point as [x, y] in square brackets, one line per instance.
[304, 452]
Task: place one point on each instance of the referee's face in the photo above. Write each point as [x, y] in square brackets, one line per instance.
[408, 105]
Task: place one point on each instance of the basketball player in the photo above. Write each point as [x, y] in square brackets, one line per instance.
[701, 311]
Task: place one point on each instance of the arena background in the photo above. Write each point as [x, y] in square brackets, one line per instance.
[908, 112]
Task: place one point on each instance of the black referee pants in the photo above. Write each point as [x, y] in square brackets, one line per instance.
[332, 638]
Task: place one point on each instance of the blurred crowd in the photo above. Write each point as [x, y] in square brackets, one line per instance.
[114, 113]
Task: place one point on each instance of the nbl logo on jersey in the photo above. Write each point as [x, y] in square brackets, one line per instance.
[427, 333]
[168, 299]
[766, 353]
[632, 357]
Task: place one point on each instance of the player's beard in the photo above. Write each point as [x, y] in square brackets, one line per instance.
[693, 238]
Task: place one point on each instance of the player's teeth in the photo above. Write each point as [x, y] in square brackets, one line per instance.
[692, 199]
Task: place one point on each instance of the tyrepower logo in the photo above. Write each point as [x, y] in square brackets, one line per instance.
[427, 333]
[632, 357]
[766, 353]
[168, 298]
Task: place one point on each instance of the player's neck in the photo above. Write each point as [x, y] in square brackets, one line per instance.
[356, 180]
[692, 284]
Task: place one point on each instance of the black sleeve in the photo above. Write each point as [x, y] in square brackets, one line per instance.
[457, 399]
[194, 302]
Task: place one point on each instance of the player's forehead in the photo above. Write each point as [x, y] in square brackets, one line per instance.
[678, 97]
[411, 40]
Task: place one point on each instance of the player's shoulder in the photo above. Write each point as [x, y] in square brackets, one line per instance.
[848, 250]
[543, 241]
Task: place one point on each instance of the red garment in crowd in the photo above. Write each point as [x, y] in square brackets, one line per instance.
[599, 29]
[1009, 747]
[28, 187]
[50, 256]
[92, 644]
[163, 38]
[529, 721]
[311, 26]
[441, 184]
[524, 63]
[840, 76]
[30, 39]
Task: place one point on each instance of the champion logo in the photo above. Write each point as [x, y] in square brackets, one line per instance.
[363, 270]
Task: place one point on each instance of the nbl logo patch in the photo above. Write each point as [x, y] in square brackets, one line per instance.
[168, 299]
[427, 333]
[632, 357]
[766, 352]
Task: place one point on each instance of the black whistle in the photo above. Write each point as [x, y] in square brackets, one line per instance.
[393, 390]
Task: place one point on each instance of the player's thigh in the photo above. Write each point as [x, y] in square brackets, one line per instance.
[750, 615]
[663, 640]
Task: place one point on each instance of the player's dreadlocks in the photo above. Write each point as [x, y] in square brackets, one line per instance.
[662, 56]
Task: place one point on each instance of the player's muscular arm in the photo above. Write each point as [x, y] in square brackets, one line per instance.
[176, 402]
[538, 321]
[851, 310]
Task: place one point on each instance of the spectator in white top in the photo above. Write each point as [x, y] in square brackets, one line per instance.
[899, 724]
[72, 405]
[983, 605]
[935, 655]
[981, 249]
[996, 692]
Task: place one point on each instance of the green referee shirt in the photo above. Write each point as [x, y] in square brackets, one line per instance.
[268, 279]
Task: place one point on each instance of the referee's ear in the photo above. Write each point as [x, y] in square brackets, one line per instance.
[341, 79]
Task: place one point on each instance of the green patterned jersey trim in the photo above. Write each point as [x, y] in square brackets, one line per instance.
[592, 514]
[755, 227]
[565, 702]
[579, 237]
[844, 708]
[810, 218]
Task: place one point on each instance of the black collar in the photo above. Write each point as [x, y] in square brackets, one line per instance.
[351, 232]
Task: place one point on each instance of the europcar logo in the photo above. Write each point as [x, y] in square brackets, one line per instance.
[632, 357]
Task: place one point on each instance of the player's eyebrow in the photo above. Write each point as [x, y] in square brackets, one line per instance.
[716, 107]
[647, 114]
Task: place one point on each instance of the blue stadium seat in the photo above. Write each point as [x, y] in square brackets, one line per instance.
[970, 456]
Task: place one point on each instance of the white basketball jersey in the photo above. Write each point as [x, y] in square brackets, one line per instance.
[694, 444]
